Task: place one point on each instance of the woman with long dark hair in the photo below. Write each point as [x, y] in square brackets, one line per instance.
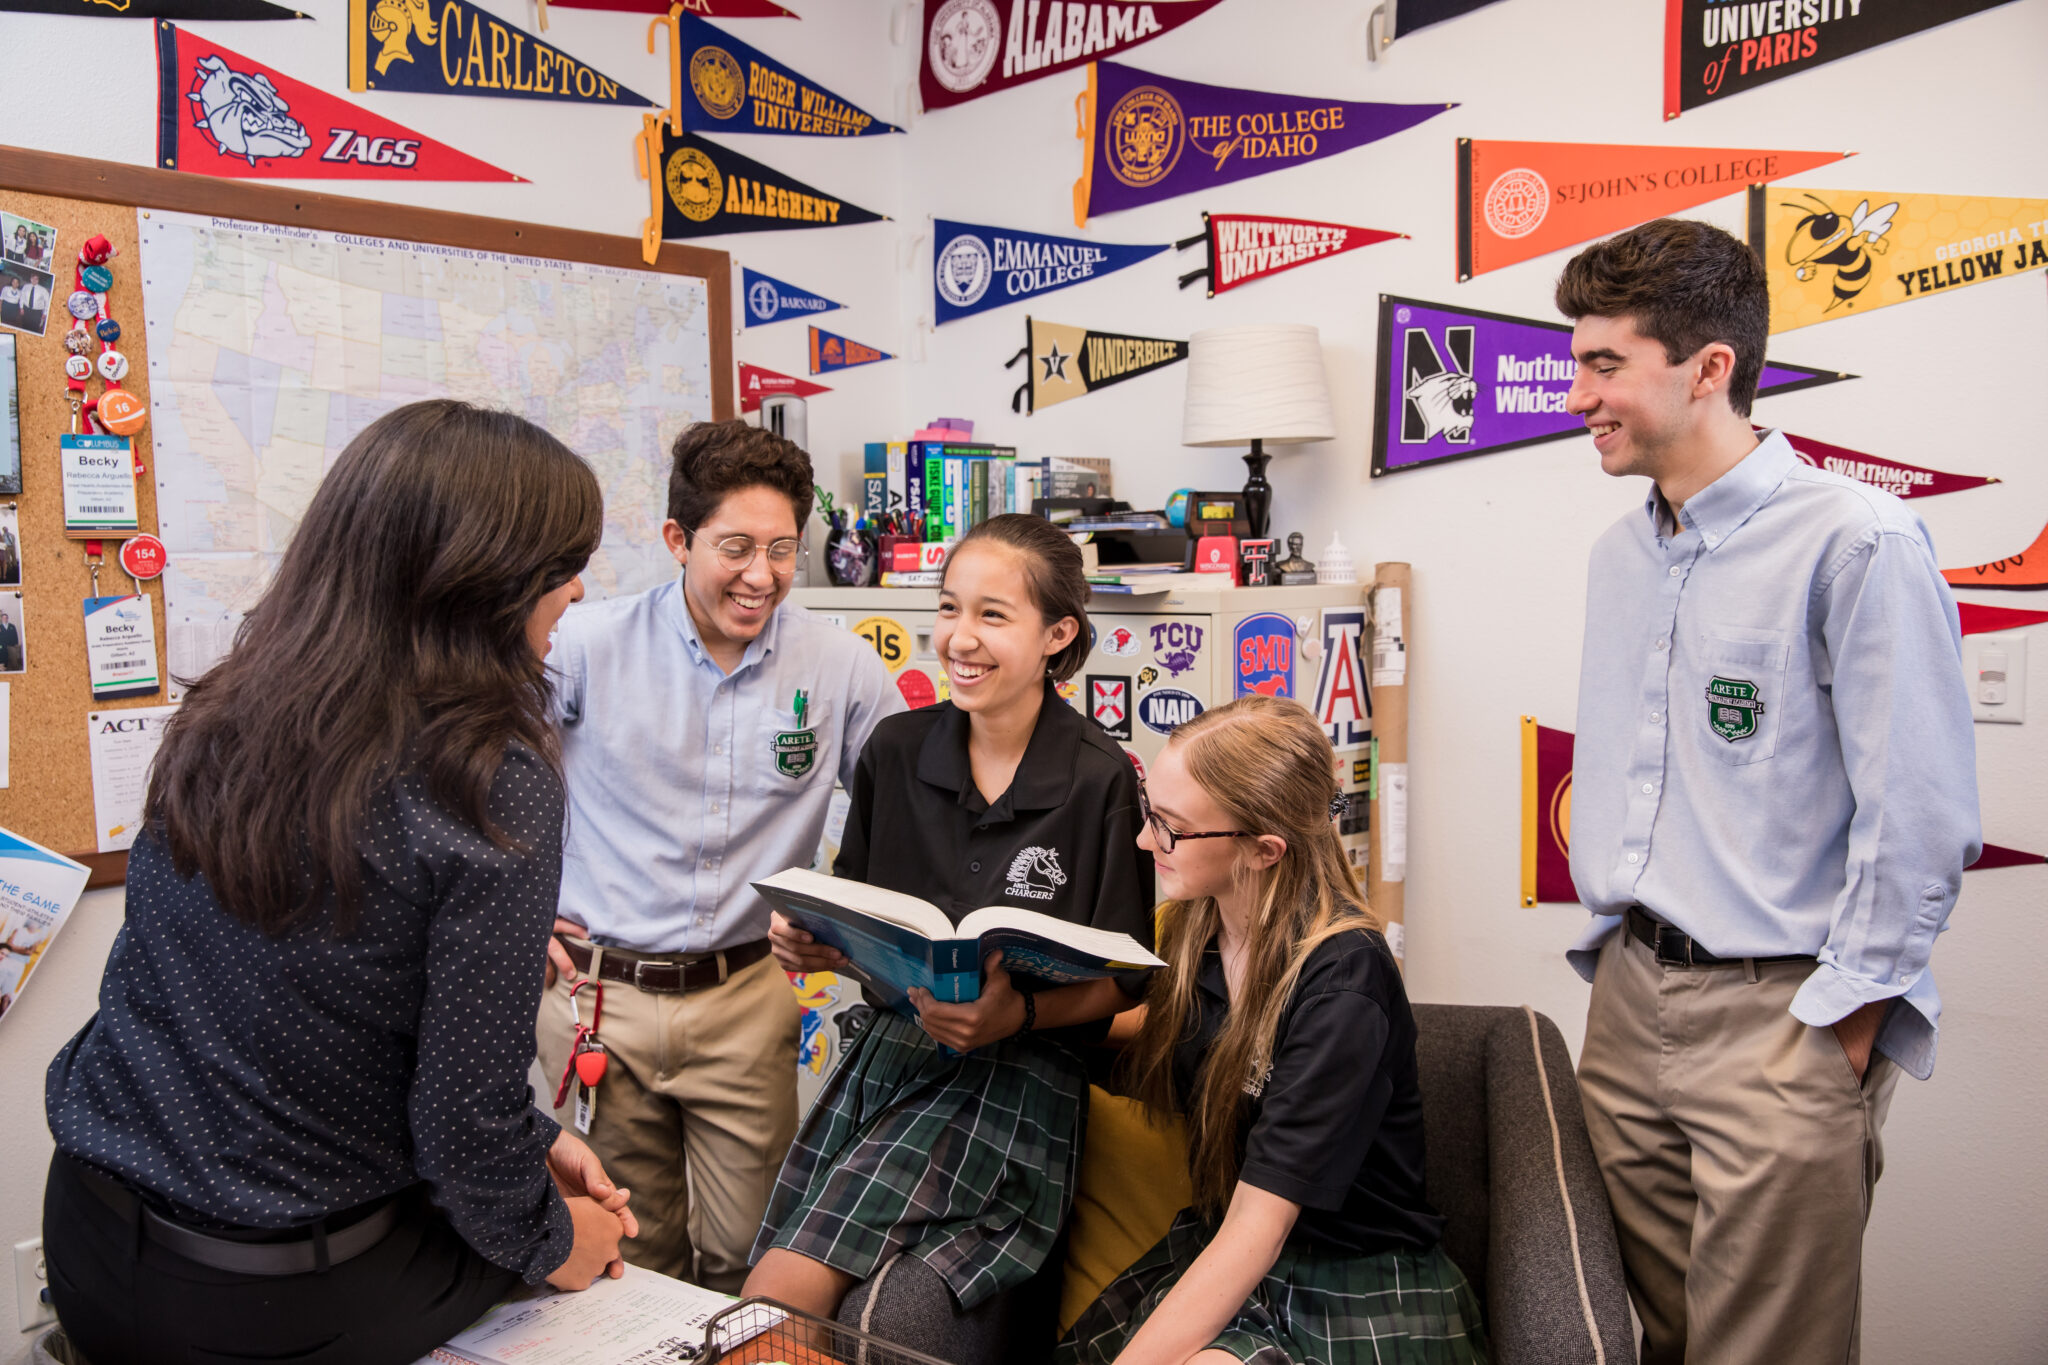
[299, 1127]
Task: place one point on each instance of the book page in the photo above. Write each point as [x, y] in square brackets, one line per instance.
[1107, 944]
[642, 1317]
[908, 912]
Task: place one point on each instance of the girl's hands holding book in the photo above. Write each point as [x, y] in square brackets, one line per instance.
[997, 1014]
[798, 951]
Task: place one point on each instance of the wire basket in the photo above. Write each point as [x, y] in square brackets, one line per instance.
[764, 1332]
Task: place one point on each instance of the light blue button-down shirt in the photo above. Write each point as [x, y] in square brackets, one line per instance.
[1774, 748]
[684, 783]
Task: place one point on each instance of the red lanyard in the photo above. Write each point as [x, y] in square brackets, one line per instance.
[586, 1054]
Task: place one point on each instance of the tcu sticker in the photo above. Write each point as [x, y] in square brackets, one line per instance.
[1121, 641]
[1109, 704]
[1175, 644]
[1163, 708]
[1343, 706]
[1262, 656]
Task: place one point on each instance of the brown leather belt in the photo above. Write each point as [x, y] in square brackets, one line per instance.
[1673, 949]
[665, 975]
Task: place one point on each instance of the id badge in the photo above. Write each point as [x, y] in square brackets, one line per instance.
[120, 647]
[586, 1107]
[99, 487]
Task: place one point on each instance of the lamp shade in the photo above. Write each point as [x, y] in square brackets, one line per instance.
[1262, 383]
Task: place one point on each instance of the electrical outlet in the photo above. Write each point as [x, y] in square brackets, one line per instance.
[31, 1278]
[1995, 667]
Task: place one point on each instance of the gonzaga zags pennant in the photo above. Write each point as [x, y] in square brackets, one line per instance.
[700, 189]
[1066, 362]
[830, 351]
[219, 113]
[1245, 246]
[757, 383]
[1522, 199]
[1900, 480]
[971, 49]
[405, 45]
[976, 268]
[1455, 382]
[735, 87]
[1153, 137]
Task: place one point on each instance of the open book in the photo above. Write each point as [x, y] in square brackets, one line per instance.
[640, 1318]
[894, 942]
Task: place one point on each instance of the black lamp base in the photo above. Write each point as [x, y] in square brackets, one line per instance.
[1258, 494]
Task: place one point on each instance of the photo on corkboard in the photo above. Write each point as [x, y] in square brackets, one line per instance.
[10, 420]
[10, 546]
[28, 243]
[13, 645]
[25, 296]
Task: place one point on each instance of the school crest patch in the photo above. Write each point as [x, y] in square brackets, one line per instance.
[1733, 707]
[796, 752]
[1035, 874]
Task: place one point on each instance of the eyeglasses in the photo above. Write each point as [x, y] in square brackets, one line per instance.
[1167, 836]
[737, 552]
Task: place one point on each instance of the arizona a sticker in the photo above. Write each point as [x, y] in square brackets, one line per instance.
[1342, 705]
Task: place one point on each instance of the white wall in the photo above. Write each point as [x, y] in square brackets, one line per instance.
[1955, 1261]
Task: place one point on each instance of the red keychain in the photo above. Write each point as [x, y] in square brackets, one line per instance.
[587, 1058]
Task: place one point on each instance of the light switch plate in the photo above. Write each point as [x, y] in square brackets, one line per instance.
[1982, 684]
[30, 1278]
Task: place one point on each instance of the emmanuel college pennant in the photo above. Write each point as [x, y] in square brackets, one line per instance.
[1066, 362]
[734, 87]
[154, 9]
[757, 383]
[976, 267]
[1830, 253]
[977, 47]
[830, 351]
[1246, 246]
[767, 299]
[1714, 48]
[1455, 382]
[1900, 480]
[1152, 137]
[701, 189]
[1546, 814]
[462, 50]
[1522, 199]
[220, 113]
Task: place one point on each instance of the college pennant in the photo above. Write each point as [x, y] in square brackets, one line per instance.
[1987, 620]
[1546, 814]
[710, 9]
[830, 351]
[1063, 362]
[220, 113]
[1522, 199]
[768, 299]
[462, 50]
[757, 383]
[976, 268]
[2026, 571]
[1153, 137]
[1830, 253]
[1714, 49]
[1455, 382]
[735, 87]
[1900, 480]
[972, 49]
[700, 189]
[1997, 855]
[154, 9]
[1246, 246]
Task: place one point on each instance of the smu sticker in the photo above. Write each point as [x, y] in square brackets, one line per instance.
[1176, 644]
[1166, 707]
[1343, 707]
[1109, 704]
[1121, 641]
[1262, 656]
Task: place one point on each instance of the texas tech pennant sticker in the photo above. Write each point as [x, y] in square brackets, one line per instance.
[830, 351]
[977, 47]
[220, 113]
[1900, 480]
[1244, 247]
[757, 383]
[976, 267]
[1455, 382]
[700, 189]
[734, 87]
[1068, 362]
[458, 49]
[1522, 199]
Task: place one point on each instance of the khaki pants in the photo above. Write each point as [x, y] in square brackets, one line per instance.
[695, 1113]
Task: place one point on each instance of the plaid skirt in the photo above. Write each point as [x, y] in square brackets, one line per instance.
[965, 1162]
[1395, 1308]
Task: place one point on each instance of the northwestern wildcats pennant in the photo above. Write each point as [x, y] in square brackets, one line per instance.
[1153, 137]
[757, 383]
[830, 351]
[1546, 814]
[220, 113]
[735, 87]
[1714, 48]
[1244, 247]
[1830, 253]
[462, 50]
[1900, 480]
[1067, 362]
[1522, 199]
[976, 268]
[700, 189]
[1454, 382]
[154, 9]
[977, 47]
[768, 299]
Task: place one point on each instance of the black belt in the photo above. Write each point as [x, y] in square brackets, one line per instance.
[313, 1249]
[668, 975]
[1674, 949]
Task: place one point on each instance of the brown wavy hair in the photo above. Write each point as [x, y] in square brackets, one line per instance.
[392, 639]
[1269, 767]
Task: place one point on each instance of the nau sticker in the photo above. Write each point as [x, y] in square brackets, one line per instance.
[1262, 650]
[1109, 704]
[796, 752]
[1175, 644]
[1121, 641]
[1035, 873]
[1732, 708]
[1163, 708]
[889, 639]
[1343, 706]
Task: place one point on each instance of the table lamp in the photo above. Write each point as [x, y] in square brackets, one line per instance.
[1257, 384]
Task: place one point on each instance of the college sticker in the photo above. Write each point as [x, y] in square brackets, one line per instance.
[1121, 641]
[887, 637]
[1732, 708]
[1109, 704]
[1164, 708]
[1262, 649]
[796, 752]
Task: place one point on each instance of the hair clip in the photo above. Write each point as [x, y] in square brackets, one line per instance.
[1340, 804]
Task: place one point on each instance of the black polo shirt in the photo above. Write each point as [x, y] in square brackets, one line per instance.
[1335, 1124]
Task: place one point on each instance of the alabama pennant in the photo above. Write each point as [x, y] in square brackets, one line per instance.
[977, 47]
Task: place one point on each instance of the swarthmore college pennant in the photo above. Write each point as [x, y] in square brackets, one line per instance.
[1546, 814]
[830, 351]
[154, 9]
[1153, 137]
[1714, 48]
[1522, 199]
[219, 113]
[701, 189]
[976, 47]
[1831, 253]
[733, 87]
[1900, 480]
[1454, 382]
[976, 268]
[1244, 247]
[1067, 362]
[757, 383]
[768, 299]
[459, 49]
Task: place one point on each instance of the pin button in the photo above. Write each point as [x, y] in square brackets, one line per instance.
[974, 867]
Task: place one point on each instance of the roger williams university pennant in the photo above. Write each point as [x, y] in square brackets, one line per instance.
[700, 189]
[977, 47]
[733, 87]
[1246, 246]
[1067, 362]
[1522, 199]
[976, 267]
[154, 9]
[454, 48]
[1830, 253]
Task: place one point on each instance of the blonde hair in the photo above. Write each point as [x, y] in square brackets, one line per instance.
[1267, 764]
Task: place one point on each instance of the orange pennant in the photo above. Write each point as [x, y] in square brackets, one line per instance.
[2027, 569]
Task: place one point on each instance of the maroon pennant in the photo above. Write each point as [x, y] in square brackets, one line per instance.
[1900, 480]
[707, 9]
[1995, 855]
[1247, 246]
[977, 47]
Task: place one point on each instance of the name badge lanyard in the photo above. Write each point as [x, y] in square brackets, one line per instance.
[587, 1059]
[120, 638]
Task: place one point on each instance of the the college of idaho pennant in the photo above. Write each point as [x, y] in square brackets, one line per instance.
[757, 383]
[1522, 199]
[1546, 814]
[154, 9]
[1246, 246]
[1900, 480]
[733, 87]
[220, 113]
[1832, 253]
[976, 267]
[1714, 48]
[700, 189]
[977, 47]
[830, 351]
[1152, 137]
[1066, 362]
[1455, 382]
[461, 50]
[767, 299]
